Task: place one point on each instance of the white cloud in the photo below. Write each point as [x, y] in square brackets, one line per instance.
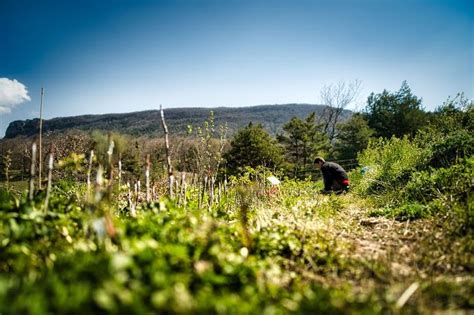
[12, 93]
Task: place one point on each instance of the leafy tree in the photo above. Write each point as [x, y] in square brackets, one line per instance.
[455, 113]
[448, 136]
[253, 146]
[302, 140]
[398, 113]
[204, 155]
[353, 137]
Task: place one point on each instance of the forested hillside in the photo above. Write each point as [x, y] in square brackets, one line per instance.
[147, 123]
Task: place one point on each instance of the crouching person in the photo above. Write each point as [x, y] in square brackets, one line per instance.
[334, 176]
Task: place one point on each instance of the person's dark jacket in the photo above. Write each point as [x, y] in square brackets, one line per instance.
[333, 173]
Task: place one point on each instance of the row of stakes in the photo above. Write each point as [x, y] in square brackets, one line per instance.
[207, 186]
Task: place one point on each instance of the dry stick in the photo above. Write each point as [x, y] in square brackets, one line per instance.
[183, 189]
[406, 295]
[147, 178]
[110, 168]
[89, 170]
[171, 184]
[129, 196]
[110, 151]
[137, 190]
[168, 157]
[50, 178]
[199, 195]
[99, 180]
[32, 171]
[176, 187]
[204, 189]
[120, 172]
[131, 205]
[211, 191]
[40, 166]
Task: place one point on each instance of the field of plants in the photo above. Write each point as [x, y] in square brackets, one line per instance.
[257, 249]
[401, 241]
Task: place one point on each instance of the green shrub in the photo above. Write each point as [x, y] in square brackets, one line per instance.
[454, 182]
[451, 148]
[407, 211]
[411, 179]
[389, 164]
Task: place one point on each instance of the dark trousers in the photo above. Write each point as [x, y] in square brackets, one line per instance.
[338, 185]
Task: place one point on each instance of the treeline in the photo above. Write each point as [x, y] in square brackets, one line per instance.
[208, 150]
[386, 114]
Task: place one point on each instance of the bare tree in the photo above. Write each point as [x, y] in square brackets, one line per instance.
[337, 97]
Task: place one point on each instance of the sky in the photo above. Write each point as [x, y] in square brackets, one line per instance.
[95, 57]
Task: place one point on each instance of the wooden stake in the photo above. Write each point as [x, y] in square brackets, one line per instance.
[99, 181]
[40, 166]
[129, 196]
[199, 195]
[219, 192]
[168, 157]
[50, 178]
[120, 172]
[211, 191]
[204, 189]
[183, 189]
[32, 171]
[89, 170]
[137, 191]
[110, 151]
[176, 186]
[147, 178]
[171, 186]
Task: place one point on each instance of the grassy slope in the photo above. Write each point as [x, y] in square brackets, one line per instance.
[299, 238]
[385, 256]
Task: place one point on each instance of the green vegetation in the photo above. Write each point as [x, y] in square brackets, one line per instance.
[353, 137]
[302, 140]
[253, 146]
[429, 174]
[226, 240]
[395, 114]
[147, 123]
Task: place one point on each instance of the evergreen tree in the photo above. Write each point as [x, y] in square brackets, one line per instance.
[253, 146]
[353, 137]
[398, 113]
[302, 140]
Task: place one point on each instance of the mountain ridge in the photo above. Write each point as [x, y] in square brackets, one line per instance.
[148, 122]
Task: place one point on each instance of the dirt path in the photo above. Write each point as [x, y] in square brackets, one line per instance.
[418, 255]
[382, 239]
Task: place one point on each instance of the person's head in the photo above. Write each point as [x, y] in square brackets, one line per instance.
[319, 161]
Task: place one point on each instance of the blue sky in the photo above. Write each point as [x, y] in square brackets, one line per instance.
[120, 56]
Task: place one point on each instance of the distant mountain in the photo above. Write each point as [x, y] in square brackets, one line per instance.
[272, 117]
